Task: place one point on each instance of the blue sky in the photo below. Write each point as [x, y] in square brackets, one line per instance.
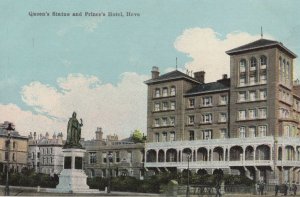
[45, 49]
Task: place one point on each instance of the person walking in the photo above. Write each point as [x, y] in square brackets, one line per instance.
[276, 189]
[295, 189]
[286, 188]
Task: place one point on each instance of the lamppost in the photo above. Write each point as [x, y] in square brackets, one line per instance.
[188, 171]
[110, 156]
[9, 129]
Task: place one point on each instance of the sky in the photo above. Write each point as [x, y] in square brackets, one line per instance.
[51, 65]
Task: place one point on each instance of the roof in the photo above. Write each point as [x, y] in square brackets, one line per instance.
[258, 44]
[170, 76]
[219, 85]
[13, 134]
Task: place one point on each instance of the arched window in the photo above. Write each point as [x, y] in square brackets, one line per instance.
[243, 65]
[287, 70]
[280, 69]
[173, 91]
[253, 63]
[263, 62]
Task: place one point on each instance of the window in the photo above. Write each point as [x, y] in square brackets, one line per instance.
[191, 103]
[51, 160]
[252, 131]
[156, 106]
[32, 155]
[207, 101]
[104, 157]
[242, 132]
[262, 113]
[252, 113]
[242, 115]
[222, 117]
[252, 79]
[164, 121]
[243, 65]
[14, 145]
[172, 105]
[191, 119]
[287, 131]
[156, 122]
[93, 158]
[207, 118]
[129, 156]
[165, 92]
[172, 136]
[191, 135]
[253, 64]
[156, 137]
[13, 157]
[242, 81]
[117, 156]
[165, 106]
[207, 134]
[6, 156]
[263, 62]
[263, 94]
[223, 99]
[164, 136]
[252, 95]
[157, 92]
[242, 96]
[263, 78]
[173, 91]
[38, 155]
[172, 121]
[223, 133]
[262, 131]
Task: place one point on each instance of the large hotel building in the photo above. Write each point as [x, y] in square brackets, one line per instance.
[246, 124]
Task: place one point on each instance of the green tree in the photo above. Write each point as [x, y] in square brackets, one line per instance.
[138, 136]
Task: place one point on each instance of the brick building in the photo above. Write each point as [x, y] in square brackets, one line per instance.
[15, 151]
[127, 157]
[248, 124]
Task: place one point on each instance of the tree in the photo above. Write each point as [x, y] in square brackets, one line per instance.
[138, 136]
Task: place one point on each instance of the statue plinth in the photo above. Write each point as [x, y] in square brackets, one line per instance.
[72, 178]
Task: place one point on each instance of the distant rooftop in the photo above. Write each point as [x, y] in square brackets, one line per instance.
[171, 76]
[222, 84]
[258, 44]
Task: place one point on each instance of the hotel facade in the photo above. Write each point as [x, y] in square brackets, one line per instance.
[246, 124]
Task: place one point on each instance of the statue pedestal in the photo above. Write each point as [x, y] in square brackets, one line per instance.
[73, 179]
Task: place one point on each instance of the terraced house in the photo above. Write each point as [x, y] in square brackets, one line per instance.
[248, 124]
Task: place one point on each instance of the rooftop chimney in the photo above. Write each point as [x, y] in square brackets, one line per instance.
[155, 72]
[200, 76]
[99, 133]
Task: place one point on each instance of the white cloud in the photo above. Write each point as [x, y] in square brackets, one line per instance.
[117, 108]
[207, 50]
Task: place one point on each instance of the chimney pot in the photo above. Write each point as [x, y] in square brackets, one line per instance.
[155, 72]
[200, 76]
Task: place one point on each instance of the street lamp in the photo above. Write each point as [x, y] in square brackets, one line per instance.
[9, 129]
[110, 156]
[188, 171]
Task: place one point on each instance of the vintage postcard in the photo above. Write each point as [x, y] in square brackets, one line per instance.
[176, 98]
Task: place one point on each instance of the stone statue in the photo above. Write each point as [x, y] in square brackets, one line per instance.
[73, 132]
